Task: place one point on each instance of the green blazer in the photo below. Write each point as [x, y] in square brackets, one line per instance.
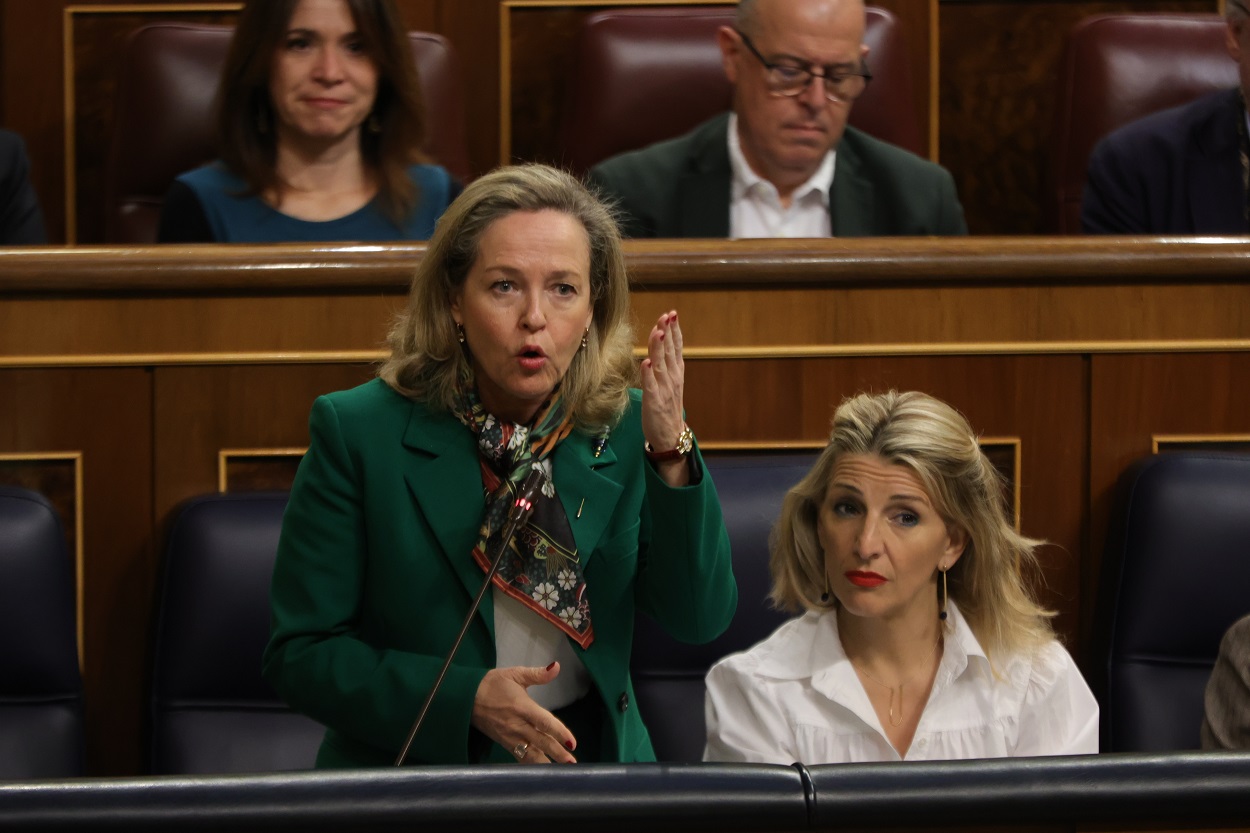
[374, 576]
[681, 188]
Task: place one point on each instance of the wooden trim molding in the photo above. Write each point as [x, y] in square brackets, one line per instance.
[225, 455]
[76, 458]
[1158, 442]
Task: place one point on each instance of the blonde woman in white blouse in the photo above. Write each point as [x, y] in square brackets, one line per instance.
[918, 638]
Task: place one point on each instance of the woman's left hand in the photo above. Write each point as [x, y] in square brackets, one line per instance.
[663, 385]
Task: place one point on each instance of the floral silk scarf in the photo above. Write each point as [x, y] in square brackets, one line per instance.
[542, 568]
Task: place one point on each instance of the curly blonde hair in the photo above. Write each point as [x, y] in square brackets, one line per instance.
[426, 359]
[936, 443]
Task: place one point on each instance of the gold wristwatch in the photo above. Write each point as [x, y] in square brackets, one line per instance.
[685, 443]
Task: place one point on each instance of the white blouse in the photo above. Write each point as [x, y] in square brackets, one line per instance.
[796, 698]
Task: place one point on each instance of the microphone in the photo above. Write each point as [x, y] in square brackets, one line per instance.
[520, 512]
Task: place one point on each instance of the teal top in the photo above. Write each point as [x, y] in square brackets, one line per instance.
[210, 204]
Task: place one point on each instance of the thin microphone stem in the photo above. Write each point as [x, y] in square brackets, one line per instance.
[522, 508]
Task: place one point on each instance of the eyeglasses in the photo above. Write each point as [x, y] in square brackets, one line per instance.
[789, 79]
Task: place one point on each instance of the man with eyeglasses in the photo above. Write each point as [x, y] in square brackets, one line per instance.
[1185, 170]
[784, 163]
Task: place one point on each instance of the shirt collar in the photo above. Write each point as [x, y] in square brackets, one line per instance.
[801, 659]
[746, 180]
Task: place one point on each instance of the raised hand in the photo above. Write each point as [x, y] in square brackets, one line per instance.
[663, 386]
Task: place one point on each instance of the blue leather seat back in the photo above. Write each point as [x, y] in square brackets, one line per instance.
[212, 712]
[668, 675]
[1175, 576]
[41, 699]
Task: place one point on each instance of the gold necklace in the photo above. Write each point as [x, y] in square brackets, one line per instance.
[890, 688]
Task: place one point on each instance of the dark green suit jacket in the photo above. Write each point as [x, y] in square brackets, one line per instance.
[374, 576]
[681, 188]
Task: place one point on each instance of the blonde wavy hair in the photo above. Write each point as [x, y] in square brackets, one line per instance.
[936, 443]
[426, 356]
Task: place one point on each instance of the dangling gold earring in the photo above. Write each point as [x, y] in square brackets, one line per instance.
[585, 337]
[942, 604]
[460, 332]
[824, 597]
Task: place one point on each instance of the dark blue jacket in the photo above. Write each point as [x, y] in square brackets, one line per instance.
[1173, 172]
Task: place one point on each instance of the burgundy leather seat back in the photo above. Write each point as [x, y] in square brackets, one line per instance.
[1116, 69]
[642, 75]
[163, 124]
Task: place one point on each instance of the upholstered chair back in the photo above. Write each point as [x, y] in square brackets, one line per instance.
[1117, 68]
[41, 694]
[1174, 577]
[642, 75]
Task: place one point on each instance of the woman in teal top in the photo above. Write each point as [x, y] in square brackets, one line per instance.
[319, 122]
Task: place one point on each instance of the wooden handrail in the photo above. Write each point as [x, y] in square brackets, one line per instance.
[690, 264]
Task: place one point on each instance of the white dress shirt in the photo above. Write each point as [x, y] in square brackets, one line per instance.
[796, 698]
[755, 208]
[522, 637]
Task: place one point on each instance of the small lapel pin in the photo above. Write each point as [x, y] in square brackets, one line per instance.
[598, 444]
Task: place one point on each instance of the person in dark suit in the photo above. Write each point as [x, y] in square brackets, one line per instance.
[1179, 171]
[1174, 172]
[515, 352]
[784, 163]
[1226, 714]
[21, 222]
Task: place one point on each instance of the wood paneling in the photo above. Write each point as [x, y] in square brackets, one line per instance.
[153, 362]
[104, 414]
[754, 299]
[262, 406]
[1136, 397]
[999, 71]
[473, 26]
[541, 57]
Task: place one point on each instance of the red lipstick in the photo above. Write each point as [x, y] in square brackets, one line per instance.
[861, 578]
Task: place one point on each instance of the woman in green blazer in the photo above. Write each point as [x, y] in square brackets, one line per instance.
[514, 352]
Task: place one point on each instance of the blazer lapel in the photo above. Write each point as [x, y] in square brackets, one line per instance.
[851, 197]
[703, 194]
[443, 475]
[586, 487]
